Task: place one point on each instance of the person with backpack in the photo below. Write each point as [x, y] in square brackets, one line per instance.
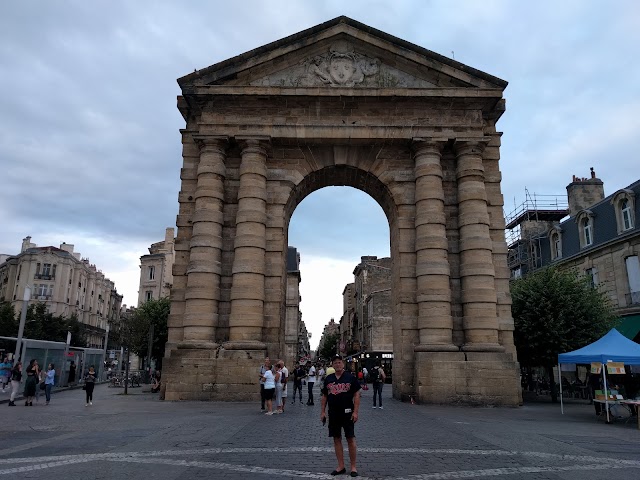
[377, 378]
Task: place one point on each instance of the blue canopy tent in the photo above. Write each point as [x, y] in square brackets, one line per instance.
[613, 347]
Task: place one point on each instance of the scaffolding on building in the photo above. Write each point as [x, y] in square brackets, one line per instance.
[527, 225]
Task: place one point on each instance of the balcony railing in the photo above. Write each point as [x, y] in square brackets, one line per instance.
[632, 298]
[41, 297]
[42, 276]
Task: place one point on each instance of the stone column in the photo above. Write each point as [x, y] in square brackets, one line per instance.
[203, 272]
[432, 265]
[246, 319]
[477, 272]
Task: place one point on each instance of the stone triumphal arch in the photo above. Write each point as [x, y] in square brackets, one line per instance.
[342, 104]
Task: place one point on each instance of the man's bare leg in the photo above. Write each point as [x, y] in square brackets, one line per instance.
[337, 446]
[353, 450]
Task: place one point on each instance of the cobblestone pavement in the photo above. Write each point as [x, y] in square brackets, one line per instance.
[138, 436]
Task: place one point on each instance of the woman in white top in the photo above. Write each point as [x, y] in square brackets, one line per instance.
[270, 380]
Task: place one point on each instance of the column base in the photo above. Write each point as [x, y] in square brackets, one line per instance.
[217, 374]
[197, 345]
[483, 347]
[436, 348]
[474, 378]
[244, 345]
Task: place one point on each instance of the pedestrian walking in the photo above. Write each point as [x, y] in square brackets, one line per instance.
[72, 372]
[278, 392]
[16, 378]
[341, 392]
[89, 385]
[5, 373]
[40, 386]
[263, 368]
[284, 380]
[31, 383]
[269, 381]
[377, 379]
[298, 376]
[311, 379]
[49, 381]
[365, 375]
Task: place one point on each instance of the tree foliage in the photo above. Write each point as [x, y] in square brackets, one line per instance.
[135, 328]
[329, 346]
[554, 312]
[41, 325]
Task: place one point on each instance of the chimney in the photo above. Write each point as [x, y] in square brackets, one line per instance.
[168, 237]
[26, 244]
[67, 247]
[582, 193]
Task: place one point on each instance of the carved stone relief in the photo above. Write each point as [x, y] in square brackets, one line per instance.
[342, 66]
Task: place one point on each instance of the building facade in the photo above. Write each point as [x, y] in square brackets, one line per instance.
[293, 317]
[156, 277]
[367, 336]
[67, 283]
[599, 238]
[330, 329]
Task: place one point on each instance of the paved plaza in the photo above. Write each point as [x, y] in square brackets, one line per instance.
[139, 437]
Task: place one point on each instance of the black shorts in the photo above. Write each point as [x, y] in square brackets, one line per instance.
[268, 393]
[339, 421]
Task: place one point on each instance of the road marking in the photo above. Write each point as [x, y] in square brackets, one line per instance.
[580, 462]
[39, 443]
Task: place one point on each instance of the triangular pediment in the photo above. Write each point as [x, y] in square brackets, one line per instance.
[342, 53]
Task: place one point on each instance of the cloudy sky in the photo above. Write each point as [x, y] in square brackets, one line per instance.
[89, 141]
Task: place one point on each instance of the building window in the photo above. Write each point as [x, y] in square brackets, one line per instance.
[625, 209]
[555, 241]
[46, 270]
[588, 231]
[148, 296]
[592, 276]
[584, 219]
[633, 276]
[624, 204]
[152, 273]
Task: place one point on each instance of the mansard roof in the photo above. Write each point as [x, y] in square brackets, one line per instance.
[341, 53]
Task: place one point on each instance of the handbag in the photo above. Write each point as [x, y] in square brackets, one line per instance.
[84, 387]
[42, 387]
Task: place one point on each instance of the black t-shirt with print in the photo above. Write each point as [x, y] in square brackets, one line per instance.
[299, 374]
[340, 391]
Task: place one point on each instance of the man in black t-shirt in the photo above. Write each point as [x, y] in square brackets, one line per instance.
[298, 375]
[341, 391]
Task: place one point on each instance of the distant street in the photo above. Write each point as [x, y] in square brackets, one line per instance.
[140, 437]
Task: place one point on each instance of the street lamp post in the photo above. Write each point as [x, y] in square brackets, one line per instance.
[23, 319]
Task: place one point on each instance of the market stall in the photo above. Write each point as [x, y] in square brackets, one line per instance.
[610, 351]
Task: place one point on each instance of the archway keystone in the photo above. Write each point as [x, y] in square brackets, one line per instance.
[342, 104]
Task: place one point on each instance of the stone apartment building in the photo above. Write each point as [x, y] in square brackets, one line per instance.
[346, 321]
[296, 337]
[367, 331]
[67, 283]
[330, 328]
[156, 276]
[600, 238]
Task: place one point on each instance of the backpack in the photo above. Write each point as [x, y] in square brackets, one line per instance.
[374, 375]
